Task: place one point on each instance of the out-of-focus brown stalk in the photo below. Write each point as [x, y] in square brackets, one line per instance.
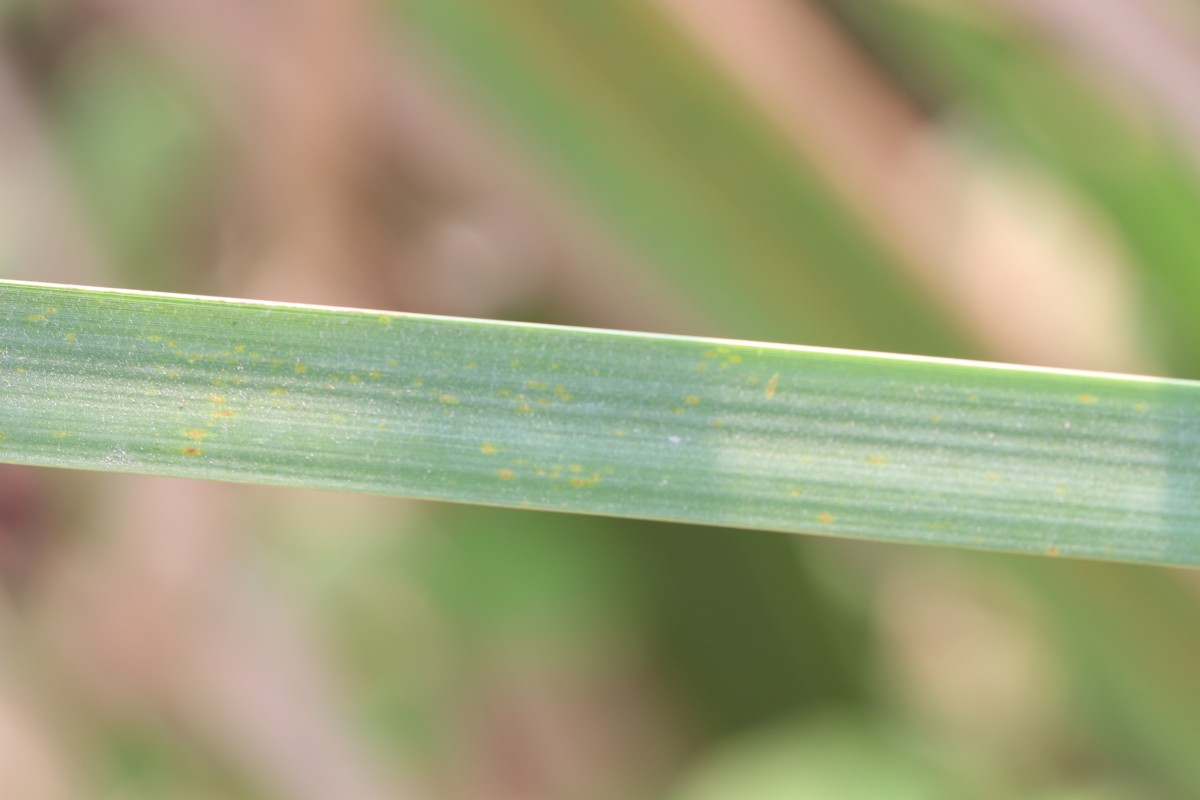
[1015, 259]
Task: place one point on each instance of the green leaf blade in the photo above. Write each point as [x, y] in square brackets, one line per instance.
[737, 434]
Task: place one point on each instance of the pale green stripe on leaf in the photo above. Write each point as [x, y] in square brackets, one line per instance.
[724, 433]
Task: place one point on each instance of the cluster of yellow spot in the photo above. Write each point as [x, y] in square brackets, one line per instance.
[724, 355]
[688, 400]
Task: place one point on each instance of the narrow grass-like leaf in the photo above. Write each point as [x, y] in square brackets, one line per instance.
[726, 433]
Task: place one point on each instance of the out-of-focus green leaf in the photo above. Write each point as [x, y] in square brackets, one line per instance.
[651, 139]
[138, 147]
[827, 757]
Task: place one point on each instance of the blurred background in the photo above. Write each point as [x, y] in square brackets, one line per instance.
[1014, 180]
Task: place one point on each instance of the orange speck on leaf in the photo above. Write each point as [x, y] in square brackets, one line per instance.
[1086, 399]
[488, 449]
[191, 451]
[772, 385]
[825, 517]
[505, 474]
[877, 459]
[448, 399]
[579, 482]
[216, 398]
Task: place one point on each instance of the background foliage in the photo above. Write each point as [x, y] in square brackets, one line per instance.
[1005, 179]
